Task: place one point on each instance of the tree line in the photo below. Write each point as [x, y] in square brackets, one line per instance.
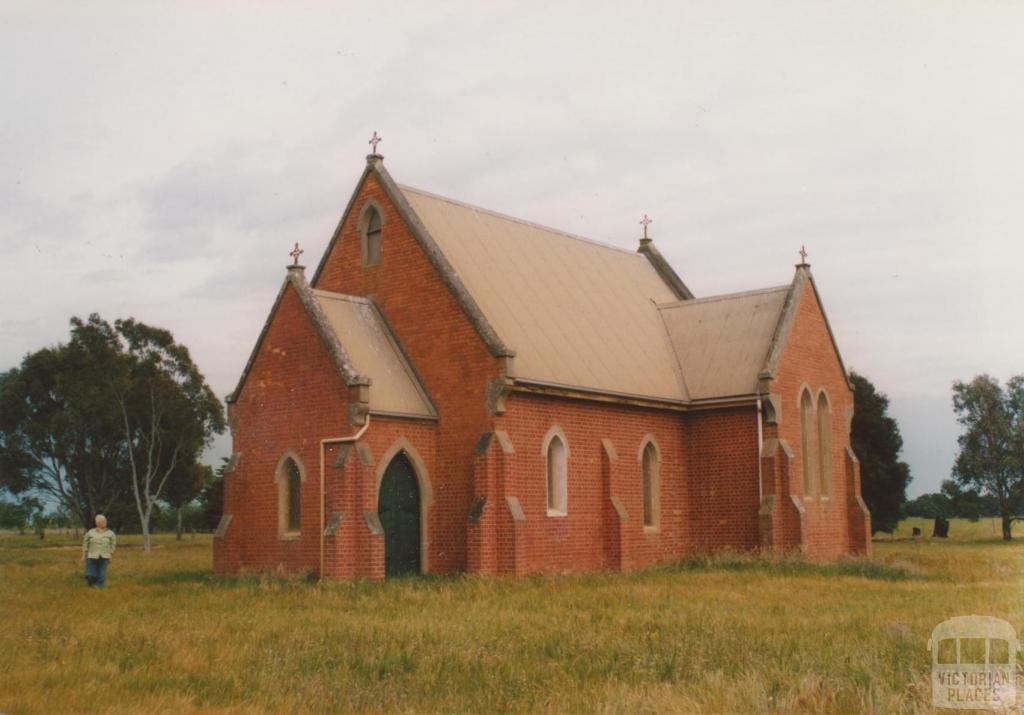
[987, 478]
[114, 421]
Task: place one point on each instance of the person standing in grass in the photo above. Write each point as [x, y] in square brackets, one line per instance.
[97, 550]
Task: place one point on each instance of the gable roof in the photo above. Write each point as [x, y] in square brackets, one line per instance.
[721, 342]
[801, 279]
[375, 167]
[589, 317]
[362, 347]
[360, 327]
[577, 313]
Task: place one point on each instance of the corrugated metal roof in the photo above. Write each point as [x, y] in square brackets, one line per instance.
[374, 352]
[722, 342]
[577, 313]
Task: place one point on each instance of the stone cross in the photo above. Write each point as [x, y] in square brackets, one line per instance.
[803, 255]
[645, 222]
[295, 253]
[374, 141]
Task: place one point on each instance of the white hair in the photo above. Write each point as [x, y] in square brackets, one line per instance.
[100, 516]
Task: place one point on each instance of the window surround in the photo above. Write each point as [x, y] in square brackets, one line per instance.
[824, 430]
[369, 208]
[651, 521]
[281, 479]
[557, 504]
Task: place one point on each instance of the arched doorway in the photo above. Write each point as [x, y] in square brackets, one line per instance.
[398, 506]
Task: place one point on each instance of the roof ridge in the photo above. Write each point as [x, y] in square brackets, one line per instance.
[721, 296]
[515, 219]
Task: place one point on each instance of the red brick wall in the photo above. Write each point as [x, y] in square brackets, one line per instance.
[708, 481]
[443, 345]
[722, 478]
[292, 399]
[353, 490]
[708, 470]
[810, 359]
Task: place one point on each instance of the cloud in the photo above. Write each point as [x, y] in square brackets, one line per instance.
[163, 159]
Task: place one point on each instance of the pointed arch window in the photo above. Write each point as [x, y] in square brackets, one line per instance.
[294, 497]
[372, 225]
[650, 464]
[557, 457]
[808, 436]
[289, 480]
[825, 445]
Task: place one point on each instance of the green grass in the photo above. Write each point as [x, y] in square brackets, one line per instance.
[730, 633]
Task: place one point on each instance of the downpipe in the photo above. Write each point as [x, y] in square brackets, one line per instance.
[323, 487]
[760, 451]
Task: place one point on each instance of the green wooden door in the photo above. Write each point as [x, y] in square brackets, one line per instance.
[398, 506]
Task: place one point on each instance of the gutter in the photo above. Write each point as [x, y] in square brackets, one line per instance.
[586, 393]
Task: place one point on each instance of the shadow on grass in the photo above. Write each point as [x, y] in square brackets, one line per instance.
[790, 566]
[787, 566]
[300, 581]
[197, 576]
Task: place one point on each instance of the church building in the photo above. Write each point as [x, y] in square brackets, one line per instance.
[455, 390]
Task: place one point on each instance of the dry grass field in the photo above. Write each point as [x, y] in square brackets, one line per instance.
[730, 634]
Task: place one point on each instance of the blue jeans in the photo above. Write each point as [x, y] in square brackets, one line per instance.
[96, 572]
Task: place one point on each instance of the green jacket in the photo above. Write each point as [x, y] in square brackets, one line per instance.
[99, 544]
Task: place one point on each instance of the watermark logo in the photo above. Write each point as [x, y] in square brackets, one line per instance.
[973, 663]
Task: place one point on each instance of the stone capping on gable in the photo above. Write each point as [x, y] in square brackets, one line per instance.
[297, 279]
[375, 166]
[788, 318]
[664, 269]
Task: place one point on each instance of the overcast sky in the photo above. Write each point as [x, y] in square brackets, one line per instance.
[159, 160]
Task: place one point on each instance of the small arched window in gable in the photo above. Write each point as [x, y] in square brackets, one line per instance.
[372, 230]
[557, 475]
[808, 434]
[825, 445]
[651, 486]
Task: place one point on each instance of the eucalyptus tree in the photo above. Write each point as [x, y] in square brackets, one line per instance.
[991, 456]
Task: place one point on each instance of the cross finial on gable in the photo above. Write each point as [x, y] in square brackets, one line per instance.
[645, 222]
[295, 253]
[374, 141]
[803, 256]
